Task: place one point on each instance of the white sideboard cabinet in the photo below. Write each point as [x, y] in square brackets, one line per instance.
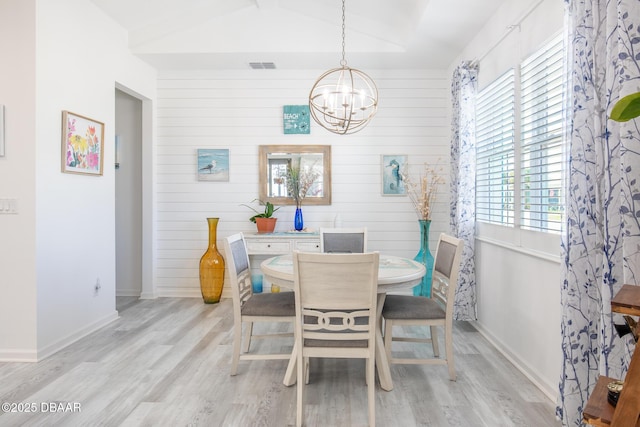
[263, 246]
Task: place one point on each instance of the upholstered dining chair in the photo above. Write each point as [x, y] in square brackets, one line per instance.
[336, 297]
[249, 308]
[403, 310]
[343, 240]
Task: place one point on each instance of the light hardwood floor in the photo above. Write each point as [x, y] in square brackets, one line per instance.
[165, 362]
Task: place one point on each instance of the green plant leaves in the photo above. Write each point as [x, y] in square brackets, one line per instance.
[626, 108]
[269, 209]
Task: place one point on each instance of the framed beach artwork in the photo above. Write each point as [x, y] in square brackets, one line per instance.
[213, 164]
[392, 166]
[296, 119]
[82, 144]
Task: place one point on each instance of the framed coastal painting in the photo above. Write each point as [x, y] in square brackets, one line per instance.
[82, 144]
[392, 168]
[213, 164]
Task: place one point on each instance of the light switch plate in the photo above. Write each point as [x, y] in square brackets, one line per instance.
[8, 206]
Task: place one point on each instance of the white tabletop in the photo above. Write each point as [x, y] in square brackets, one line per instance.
[394, 272]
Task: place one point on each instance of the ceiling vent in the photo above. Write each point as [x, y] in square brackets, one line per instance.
[262, 65]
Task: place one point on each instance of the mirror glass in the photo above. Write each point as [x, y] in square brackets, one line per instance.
[274, 162]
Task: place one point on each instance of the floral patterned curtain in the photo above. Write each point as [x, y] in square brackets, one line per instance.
[601, 243]
[463, 184]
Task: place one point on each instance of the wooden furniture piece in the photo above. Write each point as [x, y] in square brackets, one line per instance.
[281, 243]
[343, 240]
[263, 246]
[394, 273]
[336, 296]
[598, 411]
[405, 310]
[249, 308]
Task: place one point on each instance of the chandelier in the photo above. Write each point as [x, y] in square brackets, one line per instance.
[343, 100]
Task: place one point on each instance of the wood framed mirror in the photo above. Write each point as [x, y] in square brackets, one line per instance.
[276, 159]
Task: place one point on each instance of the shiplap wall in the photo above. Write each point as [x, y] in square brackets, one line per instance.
[241, 110]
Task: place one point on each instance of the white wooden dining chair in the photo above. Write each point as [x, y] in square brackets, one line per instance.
[249, 307]
[343, 240]
[336, 298]
[404, 310]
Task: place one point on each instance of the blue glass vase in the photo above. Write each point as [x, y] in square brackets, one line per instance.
[424, 257]
[298, 223]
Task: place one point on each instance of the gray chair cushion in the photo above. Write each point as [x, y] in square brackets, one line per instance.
[410, 307]
[268, 304]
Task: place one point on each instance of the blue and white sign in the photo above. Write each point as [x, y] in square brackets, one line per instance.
[296, 119]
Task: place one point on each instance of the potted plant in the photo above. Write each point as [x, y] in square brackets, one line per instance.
[265, 221]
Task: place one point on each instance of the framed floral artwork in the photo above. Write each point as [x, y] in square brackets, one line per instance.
[82, 144]
[393, 166]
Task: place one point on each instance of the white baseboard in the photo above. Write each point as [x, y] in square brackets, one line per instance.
[128, 292]
[80, 333]
[549, 390]
[18, 355]
[8, 355]
[148, 295]
[186, 292]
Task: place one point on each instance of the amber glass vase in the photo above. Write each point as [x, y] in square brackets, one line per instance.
[212, 267]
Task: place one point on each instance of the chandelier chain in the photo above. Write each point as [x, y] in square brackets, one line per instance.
[344, 60]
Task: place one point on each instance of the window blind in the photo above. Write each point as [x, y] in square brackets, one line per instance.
[541, 134]
[495, 118]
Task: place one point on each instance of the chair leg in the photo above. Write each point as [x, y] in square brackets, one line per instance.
[306, 370]
[388, 338]
[434, 341]
[237, 341]
[247, 337]
[448, 344]
[300, 390]
[366, 372]
[371, 392]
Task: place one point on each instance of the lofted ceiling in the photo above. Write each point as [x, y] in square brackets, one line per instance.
[299, 34]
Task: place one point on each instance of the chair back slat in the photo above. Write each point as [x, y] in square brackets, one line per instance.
[440, 288]
[446, 268]
[245, 287]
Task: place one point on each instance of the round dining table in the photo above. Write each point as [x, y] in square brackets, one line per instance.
[394, 274]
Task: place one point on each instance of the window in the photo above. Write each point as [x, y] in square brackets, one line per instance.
[530, 195]
[495, 118]
[541, 136]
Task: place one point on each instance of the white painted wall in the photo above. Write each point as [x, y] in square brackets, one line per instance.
[18, 181]
[240, 110]
[128, 191]
[73, 56]
[518, 272]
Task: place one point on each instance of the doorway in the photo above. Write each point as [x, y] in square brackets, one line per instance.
[128, 195]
